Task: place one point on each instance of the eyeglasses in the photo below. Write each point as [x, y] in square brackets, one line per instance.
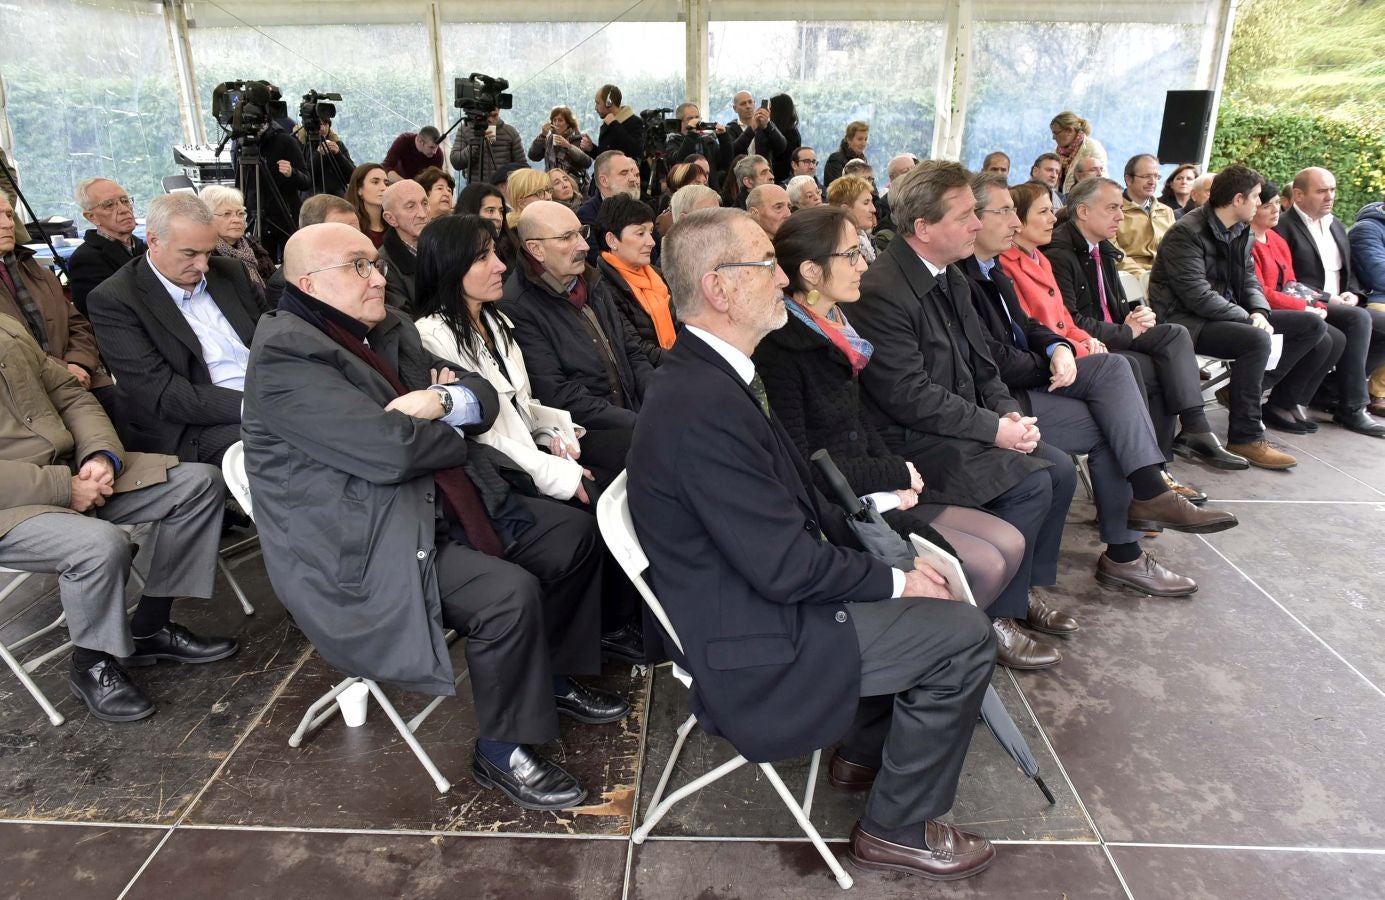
[361, 265]
[584, 232]
[851, 256]
[108, 205]
[803, 160]
[1000, 211]
[544, 192]
[767, 264]
[231, 214]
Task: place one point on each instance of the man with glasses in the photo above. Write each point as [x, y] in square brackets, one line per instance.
[405, 210]
[383, 524]
[712, 141]
[108, 246]
[175, 328]
[1090, 406]
[784, 631]
[804, 161]
[1146, 219]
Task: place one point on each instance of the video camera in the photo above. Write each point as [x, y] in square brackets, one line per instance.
[313, 110]
[244, 108]
[479, 95]
[657, 127]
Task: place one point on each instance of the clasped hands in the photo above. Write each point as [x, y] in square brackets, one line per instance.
[93, 483]
[1018, 433]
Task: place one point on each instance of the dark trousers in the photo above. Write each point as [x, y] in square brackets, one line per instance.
[526, 617]
[1363, 351]
[1249, 349]
[1167, 373]
[925, 666]
[1038, 507]
[603, 454]
[1101, 414]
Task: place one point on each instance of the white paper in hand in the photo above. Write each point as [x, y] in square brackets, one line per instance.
[1276, 351]
[946, 565]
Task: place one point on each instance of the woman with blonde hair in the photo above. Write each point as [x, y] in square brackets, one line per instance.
[855, 195]
[853, 146]
[1072, 136]
[524, 187]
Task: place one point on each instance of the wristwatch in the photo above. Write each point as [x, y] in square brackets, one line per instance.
[445, 396]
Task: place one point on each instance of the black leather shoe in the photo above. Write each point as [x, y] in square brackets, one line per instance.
[176, 643]
[1207, 448]
[530, 781]
[1273, 418]
[109, 693]
[587, 704]
[1301, 415]
[1359, 421]
[626, 642]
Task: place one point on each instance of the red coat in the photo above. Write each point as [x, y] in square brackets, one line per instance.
[1040, 297]
[1274, 266]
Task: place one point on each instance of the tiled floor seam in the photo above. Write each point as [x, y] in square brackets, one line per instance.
[1062, 770]
[1310, 453]
[639, 782]
[255, 723]
[1301, 624]
[1257, 848]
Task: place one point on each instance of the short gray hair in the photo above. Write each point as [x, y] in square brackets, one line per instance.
[687, 196]
[756, 197]
[686, 104]
[982, 182]
[83, 186]
[856, 167]
[796, 185]
[217, 195]
[1083, 193]
[746, 165]
[918, 193]
[698, 243]
[164, 208]
[896, 166]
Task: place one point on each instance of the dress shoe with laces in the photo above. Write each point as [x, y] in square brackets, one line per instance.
[849, 776]
[1359, 421]
[949, 853]
[1186, 491]
[1170, 510]
[1206, 447]
[109, 693]
[531, 781]
[1016, 650]
[587, 704]
[174, 642]
[626, 642]
[1145, 575]
[1044, 616]
[1260, 454]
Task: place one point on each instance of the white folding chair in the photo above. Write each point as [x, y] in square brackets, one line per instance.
[325, 707]
[1134, 287]
[229, 467]
[618, 532]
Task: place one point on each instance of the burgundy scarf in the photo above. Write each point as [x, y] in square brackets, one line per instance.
[460, 497]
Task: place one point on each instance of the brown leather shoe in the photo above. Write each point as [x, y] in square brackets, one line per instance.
[1145, 575]
[1377, 407]
[1044, 616]
[849, 776]
[1260, 453]
[1186, 491]
[1171, 510]
[1016, 650]
[952, 853]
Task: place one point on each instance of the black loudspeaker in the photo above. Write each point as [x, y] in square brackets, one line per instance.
[1187, 116]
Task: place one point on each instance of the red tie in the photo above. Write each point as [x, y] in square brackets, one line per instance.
[1101, 284]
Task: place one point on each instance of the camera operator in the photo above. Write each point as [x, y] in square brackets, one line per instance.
[694, 136]
[331, 166]
[283, 174]
[502, 146]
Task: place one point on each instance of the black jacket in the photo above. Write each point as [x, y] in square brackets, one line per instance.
[1076, 276]
[933, 382]
[399, 281]
[161, 376]
[624, 133]
[1195, 270]
[281, 199]
[633, 316]
[1021, 369]
[330, 173]
[769, 141]
[1307, 262]
[836, 162]
[600, 381]
[717, 149]
[96, 260]
[726, 514]
[781, 164]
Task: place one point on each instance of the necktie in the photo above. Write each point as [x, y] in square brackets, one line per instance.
[1020, 340]
[1101, 284]
[943, 285]
[757, 388]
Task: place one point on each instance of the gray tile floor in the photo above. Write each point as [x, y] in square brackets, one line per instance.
[1222, 746]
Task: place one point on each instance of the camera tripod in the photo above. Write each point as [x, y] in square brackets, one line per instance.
[24, 201]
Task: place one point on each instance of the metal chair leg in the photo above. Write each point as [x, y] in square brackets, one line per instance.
[692, 787]
[235, 587]
[311, 721]
[828, 856]
[53, 715]
[441, 783]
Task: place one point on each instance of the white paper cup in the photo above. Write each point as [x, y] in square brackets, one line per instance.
[352, 703]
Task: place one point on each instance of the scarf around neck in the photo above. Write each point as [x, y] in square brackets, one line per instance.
[651, 292]
[855, 348]
[241, 250]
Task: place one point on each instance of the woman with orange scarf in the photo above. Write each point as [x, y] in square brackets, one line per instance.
[625, 228]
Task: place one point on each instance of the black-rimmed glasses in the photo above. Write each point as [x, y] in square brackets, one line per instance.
[361, 265]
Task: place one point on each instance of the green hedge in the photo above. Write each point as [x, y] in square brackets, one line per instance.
[1279, 142]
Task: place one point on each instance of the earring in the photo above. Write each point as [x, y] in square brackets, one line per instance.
[813, 297]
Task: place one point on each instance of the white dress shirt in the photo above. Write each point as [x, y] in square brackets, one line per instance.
[222, 349]
[745, 368]
[1328, 252]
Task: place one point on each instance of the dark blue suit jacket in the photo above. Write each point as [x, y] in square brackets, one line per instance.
[722, 505]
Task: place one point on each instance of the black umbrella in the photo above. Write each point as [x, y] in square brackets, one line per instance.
[882, 541]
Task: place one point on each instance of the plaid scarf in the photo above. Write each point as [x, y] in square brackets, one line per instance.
[33, 317]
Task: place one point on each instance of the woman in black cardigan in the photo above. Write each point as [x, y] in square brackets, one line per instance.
[810, 369]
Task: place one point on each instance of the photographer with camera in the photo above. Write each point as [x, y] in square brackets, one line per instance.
[496, 144]
[755, 133]
[329, 163]
[694, 136]
[558, 146]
